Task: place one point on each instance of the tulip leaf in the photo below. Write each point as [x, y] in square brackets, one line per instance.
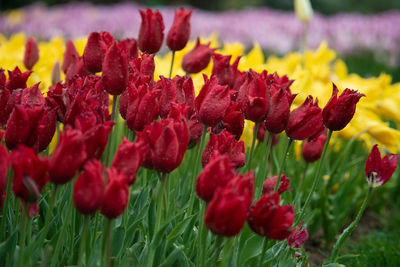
[117, 240]
[172, 258]
[178, 230]
[6, 246]
[252, 247]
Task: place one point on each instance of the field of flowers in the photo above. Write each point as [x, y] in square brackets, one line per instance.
[177, 143]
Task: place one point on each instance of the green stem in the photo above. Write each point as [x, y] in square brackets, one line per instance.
[110, 149]
[264, 169]
[202, 238]
[299, 191]
[282, 164]
[218, 246]
[172, 64]
[108, 244]
[22, 231]
[195, 171]
[342, 238]
[83, 240]
[48, 217]
[226, 253]
[255, 130]
[316, 178]
[114, 107]
[262, 254]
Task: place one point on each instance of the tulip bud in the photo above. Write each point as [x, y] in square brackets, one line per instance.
[305, 121]
[198, 58]
[225, 72]
[30, 174]
[128, 158]
[312, 150]
[115, 71]
[379, 170]
[338, 112]
[116, 195]
[279, 109]
[298, 237]
[269, 184]
[55, 73]
[69, 54]
[89, 188]
[130, 47]
[303, 10]
[226, 213]
[151, 32]
[179, 34]
[216, 174]
[31, 55]
[268, 218]
[96, 138]
[224, 143]
[233, 120]
[95, 49]
[76, 67]
[67, 157]
[212, 102]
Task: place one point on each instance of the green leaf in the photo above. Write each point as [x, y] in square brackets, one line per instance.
[6, 246]
[252, 247]
[179, 229]
[117, 241]
[177, 254]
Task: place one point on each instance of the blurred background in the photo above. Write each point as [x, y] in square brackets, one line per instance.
[322, 6]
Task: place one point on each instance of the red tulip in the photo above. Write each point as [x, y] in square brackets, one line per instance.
[233, 120]
[195, 130]
[216, 174]
[379, 170]
[338, 112]
[67, 157]
[116, 194]
[267, 218]
[261, 134]
[89, 188]
[17, 79]
[168, 140]
[178, 90]
[212, 102]
[243, 185]
[198, 58]
[312, 150]
[4, 162]
[305, 122]
[151, 32]
[96, 138]
[226, 213]
[269, 184]
[4, 97]
[224, 143]
[115, 71]
[225, 72]
[30, 174]
[95, 49]
[179, 33]
[69, 54]
[139, 106]
[298, 237]
[279, 109]
[3, 78]
[130, 47]
[128, 158]
[31, 55]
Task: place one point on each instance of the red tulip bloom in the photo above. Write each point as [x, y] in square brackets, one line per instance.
[116, 194]
[95, 139]
[178, 90]
[312, 150]
[115, 70]
[139, 106]
[69, 54]
[195, 130]
[269, 184]
[168, 140]
[17, 79]
[30, 174]
[379, 170]
[233, 121]
[89, 188]
[130, 47]
[338, 112]
[212, 102]
[226, 213]
[268, 218]
[151, 32]
[279, 109]
[95, 49]
[75, 68]
[198, 58]
[31, 55]
[67, 157]
[179, 34]
[216, 174]
[305, 121]
[128, 158]
[224, 143]
[225, 72]
[243, 185]
[298, 237]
